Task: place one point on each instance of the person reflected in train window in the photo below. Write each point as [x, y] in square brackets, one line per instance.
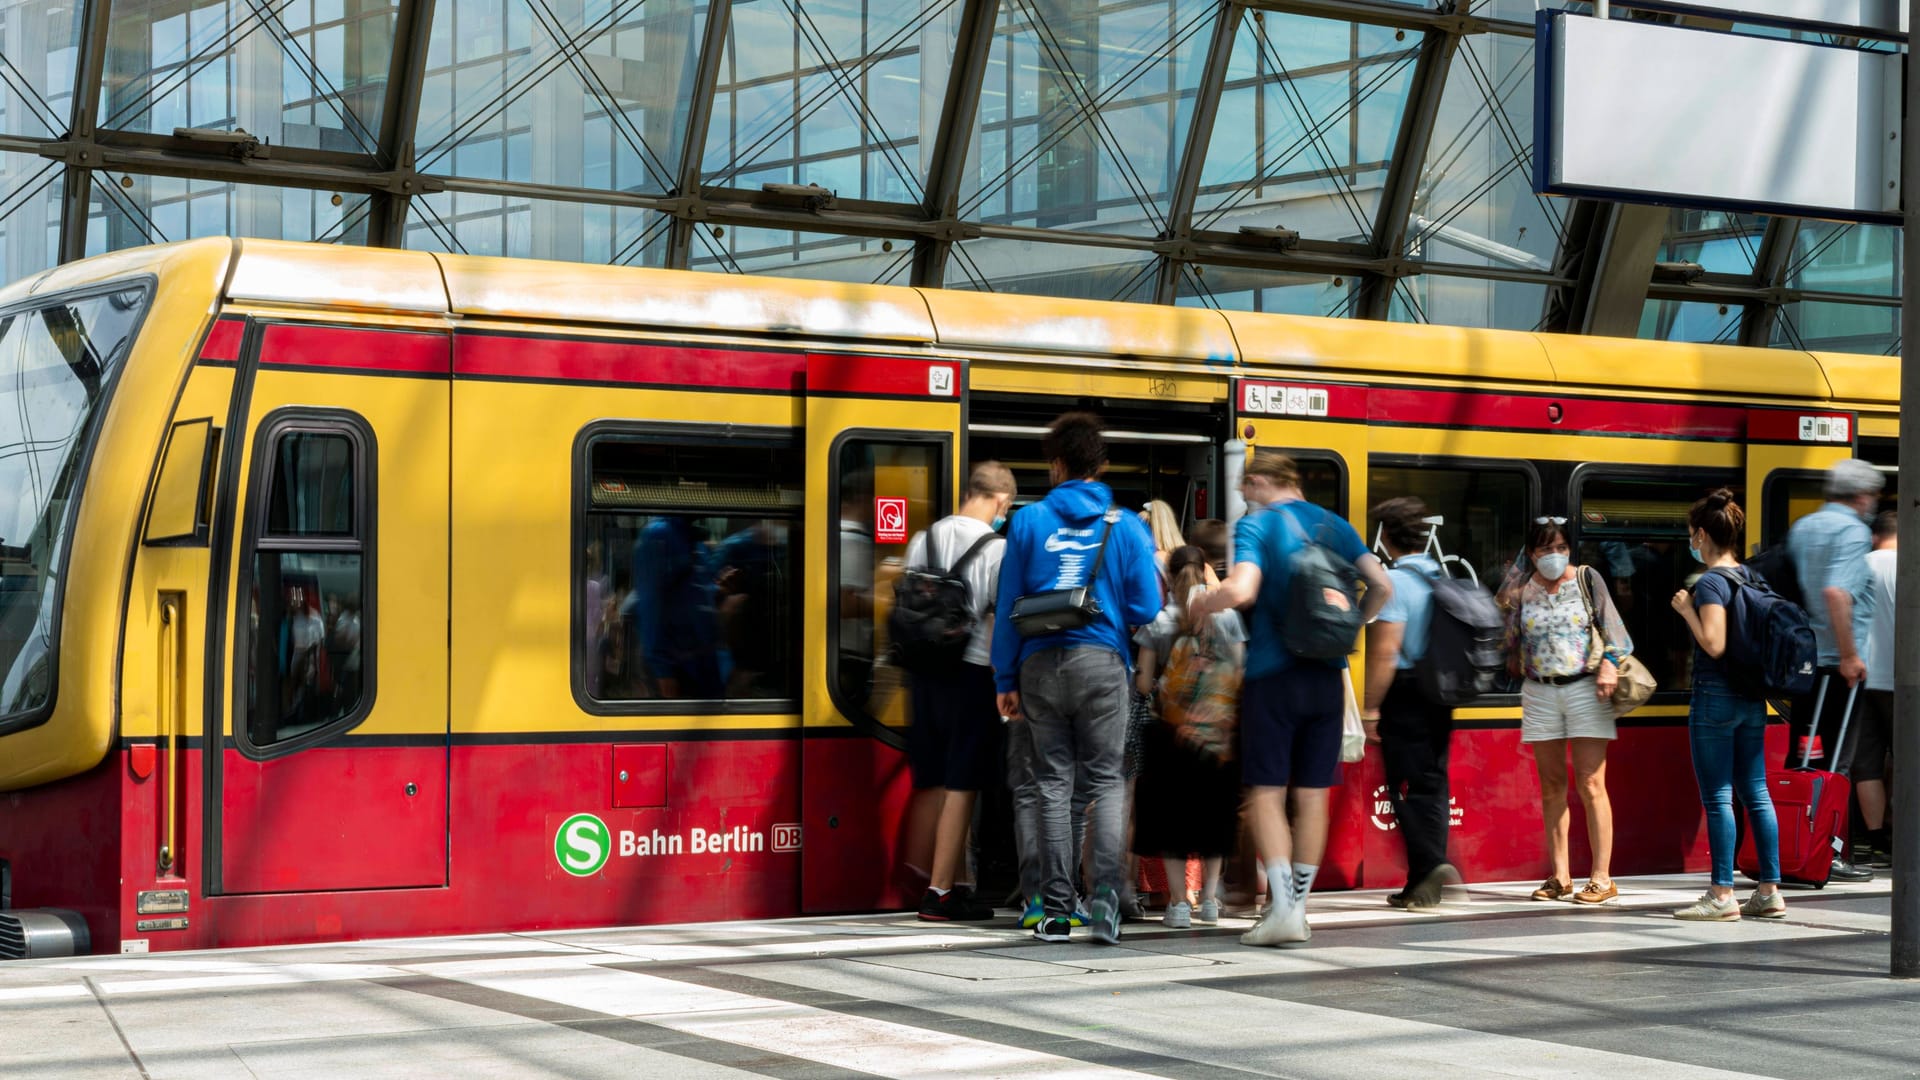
[1726, 728]
[1071, 686]
[345, 637]
[303, 638]
[1829, 549]
[1414, 733]
[1210, 536]
[1291, 708]
[746, 606]
[673, 611]
[1565, 637]
[856, 597]
[592, 616]
[615, 652]
[954, 742]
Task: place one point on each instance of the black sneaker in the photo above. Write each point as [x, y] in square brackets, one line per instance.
[1880, 859]
[970, 906]
[953, 907]
[1053, 929]
[1842, 870]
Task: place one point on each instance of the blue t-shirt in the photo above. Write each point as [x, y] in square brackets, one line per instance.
[1710, 590]
[1265, 539]
[1411, 605]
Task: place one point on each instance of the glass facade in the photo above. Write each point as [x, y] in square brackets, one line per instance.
[1101, 149]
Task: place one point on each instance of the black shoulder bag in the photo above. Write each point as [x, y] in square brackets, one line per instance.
[1057, 611]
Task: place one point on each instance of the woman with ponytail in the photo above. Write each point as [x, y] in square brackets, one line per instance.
[1726, 728]
[1187, 801]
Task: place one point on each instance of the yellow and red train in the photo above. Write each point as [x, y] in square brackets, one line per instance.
[350, 592]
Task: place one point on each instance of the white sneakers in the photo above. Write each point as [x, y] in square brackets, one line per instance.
[1285, 923]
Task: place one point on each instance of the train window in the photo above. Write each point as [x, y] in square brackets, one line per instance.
[1790, 494]
[1484, 510]
[1323, 480]
[310, 629]
[1632, 527]
[685, 582]
[888, 488]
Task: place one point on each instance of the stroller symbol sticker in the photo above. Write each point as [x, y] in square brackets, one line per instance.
[889, 520]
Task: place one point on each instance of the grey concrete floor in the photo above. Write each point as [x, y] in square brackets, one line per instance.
[1491, 986]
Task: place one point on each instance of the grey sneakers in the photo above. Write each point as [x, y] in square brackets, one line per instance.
[1770, 906]
[1179, 915]
[1208, 913]
[1104, 917]
[1707, 909]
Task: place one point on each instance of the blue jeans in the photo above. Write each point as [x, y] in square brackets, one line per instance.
[1728, 734]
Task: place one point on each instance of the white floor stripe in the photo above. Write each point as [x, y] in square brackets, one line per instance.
[832, 1039]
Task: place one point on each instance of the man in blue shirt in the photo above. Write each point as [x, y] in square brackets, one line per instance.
[1829, 549]
[1290, 707]
[1071, 688]
[1414, 733]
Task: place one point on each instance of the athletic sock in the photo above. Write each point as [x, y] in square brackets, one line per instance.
[938, 892]
[1279, 884]
[1302, 881]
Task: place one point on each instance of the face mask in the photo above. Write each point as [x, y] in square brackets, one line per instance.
[1551, 567]
[1695, 552]
[999, 520]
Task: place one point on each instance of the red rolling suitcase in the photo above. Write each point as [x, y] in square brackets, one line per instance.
[1811, 806]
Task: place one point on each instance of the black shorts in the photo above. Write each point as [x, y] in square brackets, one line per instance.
[953, 741]
[1869, 737]
[1290, 727]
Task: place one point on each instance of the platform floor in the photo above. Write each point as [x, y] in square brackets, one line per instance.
[1495, 985]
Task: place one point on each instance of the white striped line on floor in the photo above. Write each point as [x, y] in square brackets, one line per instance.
[833, 1039]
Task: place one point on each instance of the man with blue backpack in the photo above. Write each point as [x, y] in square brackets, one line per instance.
[1076, 574]
[1299, 566]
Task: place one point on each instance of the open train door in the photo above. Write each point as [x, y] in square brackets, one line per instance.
[883, 450]
[1787, 450]
[1323, 428]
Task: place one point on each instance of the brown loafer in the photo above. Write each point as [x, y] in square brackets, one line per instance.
[1592, 893]
[1552, 889]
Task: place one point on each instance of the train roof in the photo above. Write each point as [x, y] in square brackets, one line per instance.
[284, 273]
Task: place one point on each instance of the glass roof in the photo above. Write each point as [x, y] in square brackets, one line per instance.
[1379, 151]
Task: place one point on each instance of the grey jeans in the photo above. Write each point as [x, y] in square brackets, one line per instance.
[1026, 808]
[1075, 701]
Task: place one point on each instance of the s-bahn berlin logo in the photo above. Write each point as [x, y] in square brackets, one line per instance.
[582, 845]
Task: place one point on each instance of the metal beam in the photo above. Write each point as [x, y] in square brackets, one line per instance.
[399, 116]
[1769, 272]
[1905, 950]
[1399, 15]
[1186, 183]
[947, 170]
[1409, 164]
[693, 150]
[75, 191]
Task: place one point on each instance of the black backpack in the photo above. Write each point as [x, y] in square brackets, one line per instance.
[932, 618]
[1465, 635]
[1323, 599]
[1771, 651]
[1775, 566]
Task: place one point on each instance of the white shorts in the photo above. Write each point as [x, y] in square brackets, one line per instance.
[1573, 711]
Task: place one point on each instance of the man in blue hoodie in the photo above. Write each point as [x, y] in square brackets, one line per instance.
[1071, 687]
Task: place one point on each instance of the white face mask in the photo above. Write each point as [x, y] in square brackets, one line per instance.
[1551, 567]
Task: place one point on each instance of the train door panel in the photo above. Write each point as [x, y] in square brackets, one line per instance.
[1323, 427]
[882, 460]
[334, 769]
[1787, 449]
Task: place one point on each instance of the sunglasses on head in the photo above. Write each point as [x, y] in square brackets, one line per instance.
[1549, 521]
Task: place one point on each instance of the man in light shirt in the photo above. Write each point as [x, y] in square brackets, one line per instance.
[1865, 756]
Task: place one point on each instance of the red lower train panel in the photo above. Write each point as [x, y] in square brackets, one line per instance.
[550, 836]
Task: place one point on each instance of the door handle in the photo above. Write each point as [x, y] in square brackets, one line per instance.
[171, 706]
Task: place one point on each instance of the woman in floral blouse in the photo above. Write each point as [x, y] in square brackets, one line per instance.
[1566, 702]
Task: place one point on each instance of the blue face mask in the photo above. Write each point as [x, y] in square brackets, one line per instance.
[999, 520]
[1695, 552]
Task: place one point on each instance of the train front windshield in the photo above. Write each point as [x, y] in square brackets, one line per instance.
[56, 363]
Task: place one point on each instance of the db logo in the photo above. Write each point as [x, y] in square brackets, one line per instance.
[786, 838]
[889, 520]
[1383, 810]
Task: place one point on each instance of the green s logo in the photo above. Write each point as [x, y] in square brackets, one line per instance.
[582, 845]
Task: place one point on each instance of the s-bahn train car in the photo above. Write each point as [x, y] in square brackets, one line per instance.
[351, 593]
